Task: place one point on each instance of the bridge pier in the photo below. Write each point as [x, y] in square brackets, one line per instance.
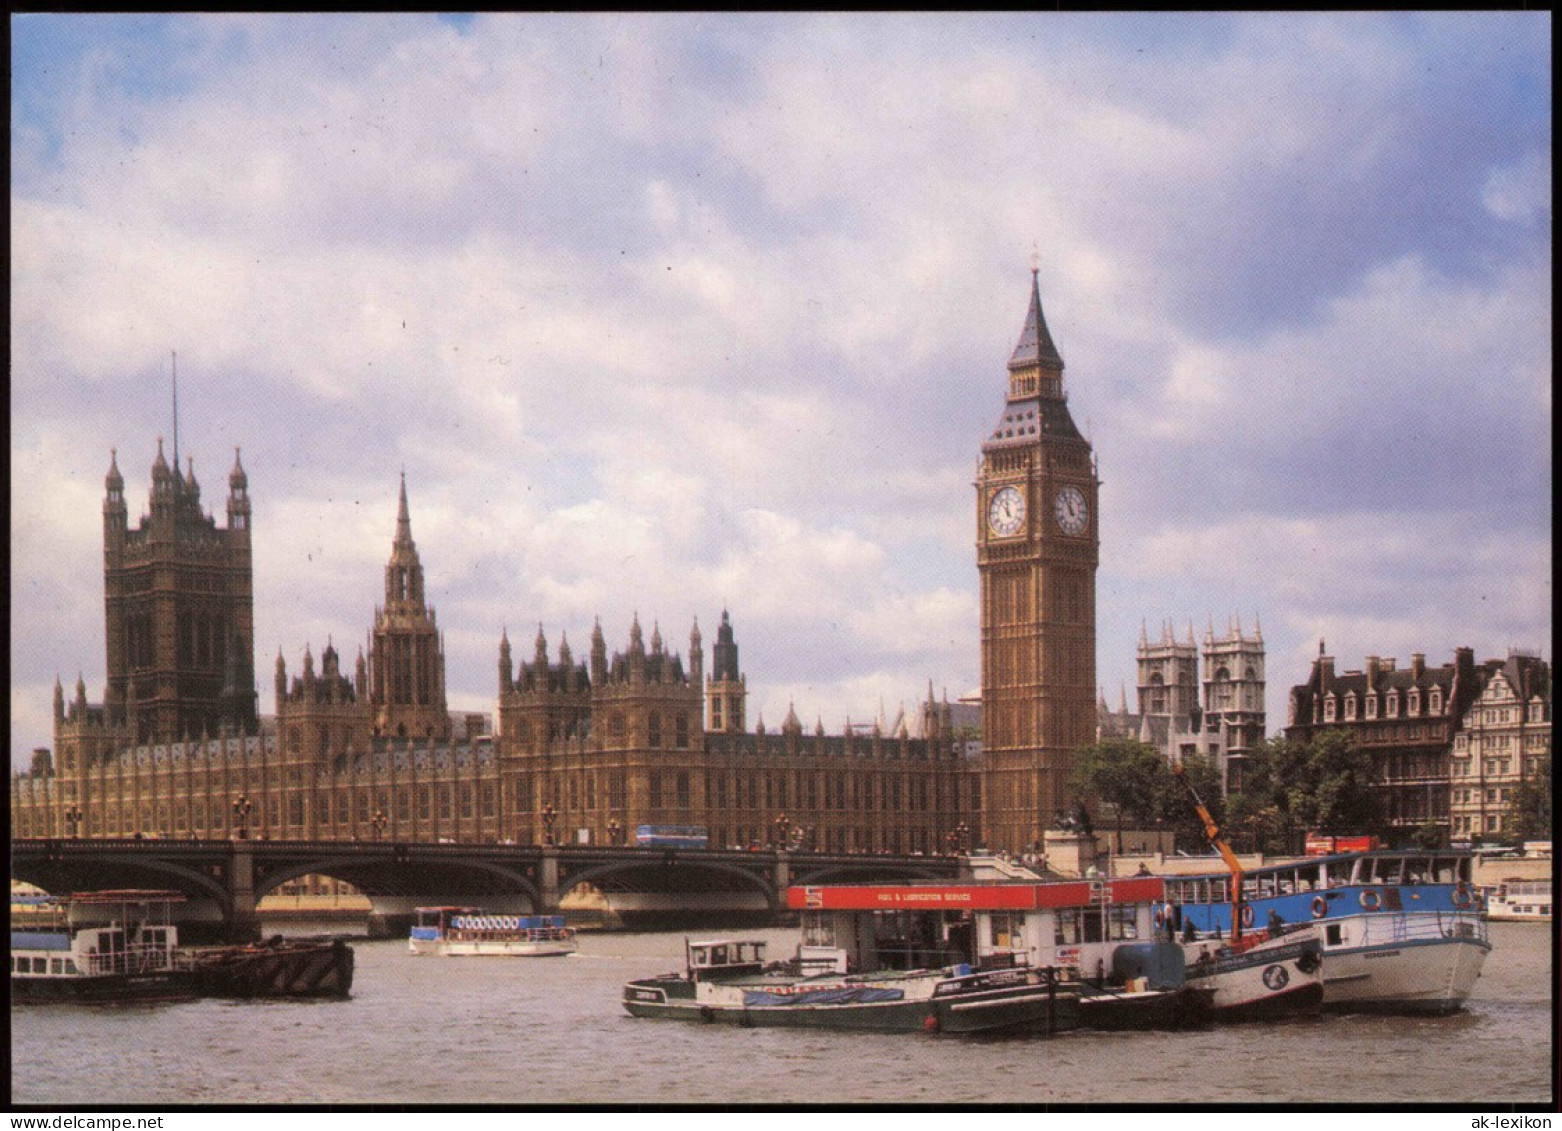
[782, 879]
[548, 880]
[243, 924]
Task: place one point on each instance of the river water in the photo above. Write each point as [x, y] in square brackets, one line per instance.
[441, 1031]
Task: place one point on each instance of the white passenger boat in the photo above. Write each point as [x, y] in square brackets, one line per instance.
[103, 946]
[473, 932]
[1520, 901]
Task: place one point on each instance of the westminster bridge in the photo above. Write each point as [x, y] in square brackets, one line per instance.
[223, 880]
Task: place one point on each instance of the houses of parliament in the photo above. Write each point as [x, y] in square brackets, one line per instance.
[585, 749]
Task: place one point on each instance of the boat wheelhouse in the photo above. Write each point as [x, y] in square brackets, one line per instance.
[474, 932]
[102, 946]
[1401, 931]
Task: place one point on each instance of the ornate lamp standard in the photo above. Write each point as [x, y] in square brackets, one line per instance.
[73, 820]
[379, 821]
[549, 816]
[783, 828]
[615, 833]
[242, 807]
[962, 836]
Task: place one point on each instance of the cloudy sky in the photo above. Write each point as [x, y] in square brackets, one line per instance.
[665, 314]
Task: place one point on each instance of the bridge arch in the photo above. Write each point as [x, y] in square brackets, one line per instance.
[749, 878]
[403, 878]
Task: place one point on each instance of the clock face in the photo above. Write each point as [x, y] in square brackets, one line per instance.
[1006, 512]
[1072, 511]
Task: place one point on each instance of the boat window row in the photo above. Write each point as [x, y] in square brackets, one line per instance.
[32, 964]
[1333, 873]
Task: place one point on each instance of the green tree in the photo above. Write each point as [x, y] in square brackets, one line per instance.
[1124, 774]
[1290, 787]
[1529, 815]
[1134, 779]
[1337, 793]
[1264, 814]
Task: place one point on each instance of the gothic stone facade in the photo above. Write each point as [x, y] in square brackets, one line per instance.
[1219, 717]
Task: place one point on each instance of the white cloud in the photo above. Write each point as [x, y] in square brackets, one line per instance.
[665, 312]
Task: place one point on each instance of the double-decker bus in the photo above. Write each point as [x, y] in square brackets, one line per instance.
[672, 836]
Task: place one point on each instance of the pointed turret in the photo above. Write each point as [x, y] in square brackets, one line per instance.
[506, 665]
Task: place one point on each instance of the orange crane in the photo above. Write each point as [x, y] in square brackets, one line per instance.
[1213, 835]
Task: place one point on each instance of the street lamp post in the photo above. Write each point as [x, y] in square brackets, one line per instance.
[783, 826]
[242, 807]
[549, 815]
[379, 821]
[73, 820]
[962, 835]
[615, 832]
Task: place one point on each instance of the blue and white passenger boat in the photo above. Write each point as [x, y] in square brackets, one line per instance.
[1402, 932]
[473, 932]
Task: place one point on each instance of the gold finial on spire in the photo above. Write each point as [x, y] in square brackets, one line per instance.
[1035, 257]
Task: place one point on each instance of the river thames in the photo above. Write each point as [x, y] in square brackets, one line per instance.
[440, 1031]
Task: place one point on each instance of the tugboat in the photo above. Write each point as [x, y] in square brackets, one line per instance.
[473, 932]
[130, 952]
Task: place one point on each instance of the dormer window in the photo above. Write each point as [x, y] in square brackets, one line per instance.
[1350, 706]
[1392, 705]
[1329, 707]
[1372, 705]
[1415, 702]
[1436, 701]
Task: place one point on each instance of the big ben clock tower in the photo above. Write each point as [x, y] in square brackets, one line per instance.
[1036, 551]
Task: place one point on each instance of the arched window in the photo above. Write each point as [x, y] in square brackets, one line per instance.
[653, 730]
[1328, 709]
[681, 730]
[1350, 706]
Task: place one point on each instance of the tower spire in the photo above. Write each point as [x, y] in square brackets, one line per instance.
[174, 354]
[1035, 345]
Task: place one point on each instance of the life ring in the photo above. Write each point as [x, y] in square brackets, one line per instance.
[1370, 900]
[1309, 961]
[1247, 914]
[1463, 898]
[930, 1023]
[1320, 907]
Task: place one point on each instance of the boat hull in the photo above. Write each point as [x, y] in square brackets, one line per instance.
[164, 985]
[492, 948]
[1187, 1007]
[290, 969]
[1276, 978]
[1432, 976]
[1021, 1005]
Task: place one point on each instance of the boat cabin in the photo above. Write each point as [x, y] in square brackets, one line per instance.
[1076, 925]
[724, 958]
[133, 933]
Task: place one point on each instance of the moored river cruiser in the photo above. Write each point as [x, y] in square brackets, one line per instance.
[103, 946]
[1402, 932]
